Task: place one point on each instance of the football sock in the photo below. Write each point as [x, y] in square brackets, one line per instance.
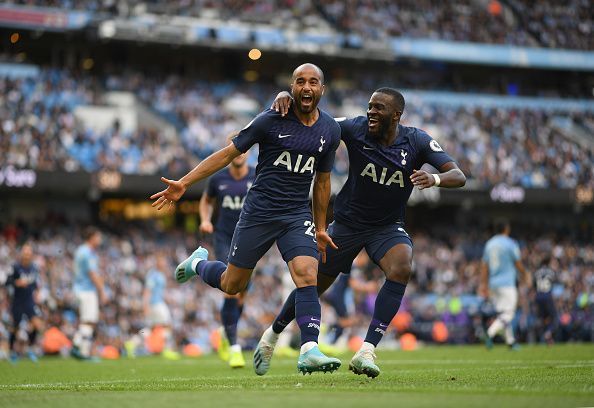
[168, 335]
[32, 337]
[210, 272]
[83, 339]
[12, 340]
[269, 336]
[286, 315]
[308, 313]
[387, 304]
[495, 327]
[230, 313]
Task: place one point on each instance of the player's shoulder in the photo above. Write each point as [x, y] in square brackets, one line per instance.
[329, 120]
[352, 127]
[421, 138]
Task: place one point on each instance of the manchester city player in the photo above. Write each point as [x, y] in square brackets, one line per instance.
[89, 291]
[226, 191]
[369, 212]
[276, 209]
[155, 308]
[498, 273]
[24, 282]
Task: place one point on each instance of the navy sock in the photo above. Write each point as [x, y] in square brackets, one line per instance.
[229, 317]
[308, 313]
[210, 272]
[387, 304]
[32, 337]
[12, 340]
[286, 315]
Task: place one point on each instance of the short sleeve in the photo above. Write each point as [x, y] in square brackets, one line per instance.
[346, 128]
[430, 151]
[93, 263]
[327, 160]
[16, 273]
[253, 133]
[211, 188]
[516, 251]
[150, 282]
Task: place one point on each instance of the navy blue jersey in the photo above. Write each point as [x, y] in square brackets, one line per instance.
[24, 295]
[290, 153]
[378, 186]
[230, 195]
[544, 277]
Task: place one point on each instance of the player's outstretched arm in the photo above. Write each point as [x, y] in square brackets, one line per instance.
[282, 103]
[176, 188]
[450, 176]
[321, 197]
[205, 209]
[483, 289]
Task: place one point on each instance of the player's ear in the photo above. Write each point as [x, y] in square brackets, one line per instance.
[397, 116]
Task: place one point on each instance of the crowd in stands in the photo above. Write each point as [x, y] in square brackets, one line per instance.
[518, 22]
[443, 286]
[38, 129]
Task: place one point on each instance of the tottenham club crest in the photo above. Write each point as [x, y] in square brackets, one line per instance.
[322, 141]
[403, 154]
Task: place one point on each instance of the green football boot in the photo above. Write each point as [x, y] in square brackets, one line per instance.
[314, 360]
[184, 270]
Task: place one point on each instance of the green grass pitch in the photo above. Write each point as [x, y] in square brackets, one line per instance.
[448, 376]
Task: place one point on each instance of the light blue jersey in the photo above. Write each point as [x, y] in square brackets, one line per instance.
[156, 283]
[501, 254]
[85, 261]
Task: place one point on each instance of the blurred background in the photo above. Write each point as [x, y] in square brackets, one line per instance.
[98, 99]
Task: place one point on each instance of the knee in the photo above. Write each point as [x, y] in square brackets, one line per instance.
[306, 277]
[232, 287]
[399, 271]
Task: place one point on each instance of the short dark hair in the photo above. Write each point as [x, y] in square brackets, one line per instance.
[89, 231]
[501, 225]
[397, 96]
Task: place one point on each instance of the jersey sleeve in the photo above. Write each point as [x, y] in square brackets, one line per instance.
[327, 161]
[346, 128]
[93, 263]
[430, 151]
[211, 188]
[253, 133]
[515, 250]
[150, 283]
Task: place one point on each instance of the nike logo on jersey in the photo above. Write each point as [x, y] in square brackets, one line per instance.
[283, 136]
[383, 325]
[368, 148]
[223, 186]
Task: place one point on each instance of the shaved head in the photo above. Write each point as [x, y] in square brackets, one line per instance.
[308, 66]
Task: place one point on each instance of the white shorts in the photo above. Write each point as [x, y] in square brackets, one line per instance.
[160, 314]
[88, 306]
[505, 299]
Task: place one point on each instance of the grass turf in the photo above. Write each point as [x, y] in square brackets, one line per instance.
[538, 376]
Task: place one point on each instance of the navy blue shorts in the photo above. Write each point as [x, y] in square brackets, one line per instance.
[21, 310]
[222, 243]
[376, 241]
[252, 239]
[545, 305]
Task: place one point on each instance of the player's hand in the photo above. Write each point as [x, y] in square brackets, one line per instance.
[323, 240]
[206, 227]
[422, 179]
[102, 298]
[282, 103]
[174, 191]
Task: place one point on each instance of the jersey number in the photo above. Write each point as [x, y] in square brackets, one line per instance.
[310, 228]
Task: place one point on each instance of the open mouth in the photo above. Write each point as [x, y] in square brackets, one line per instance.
[306, 99]
[372, 122]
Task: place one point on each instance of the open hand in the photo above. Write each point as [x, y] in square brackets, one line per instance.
[174, 191]
[282, 103]
[323, 240]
